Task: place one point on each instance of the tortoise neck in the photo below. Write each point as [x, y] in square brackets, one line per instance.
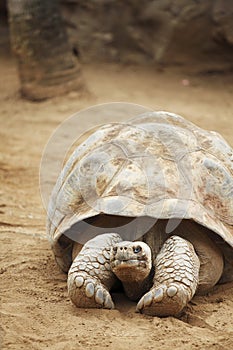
[136, 289]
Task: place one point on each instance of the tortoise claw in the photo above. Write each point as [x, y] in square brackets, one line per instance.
[88, 292]
[164, 300]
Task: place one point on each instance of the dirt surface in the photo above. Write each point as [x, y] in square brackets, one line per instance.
[35, 310]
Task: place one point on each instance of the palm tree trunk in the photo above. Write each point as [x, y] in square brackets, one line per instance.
[46, 64]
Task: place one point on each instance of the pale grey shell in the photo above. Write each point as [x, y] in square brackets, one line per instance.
[158, 165]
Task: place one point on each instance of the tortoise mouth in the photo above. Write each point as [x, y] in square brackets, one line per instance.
[130, 262]
[130, 270]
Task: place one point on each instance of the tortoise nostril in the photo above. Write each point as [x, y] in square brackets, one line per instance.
[121, 248]
[125, 248]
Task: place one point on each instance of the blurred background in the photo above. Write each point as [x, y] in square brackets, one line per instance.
[50, 38]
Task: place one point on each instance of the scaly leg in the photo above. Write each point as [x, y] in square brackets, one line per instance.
[90, 277]
[175, 280]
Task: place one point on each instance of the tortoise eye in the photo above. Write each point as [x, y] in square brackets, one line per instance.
[137, 249]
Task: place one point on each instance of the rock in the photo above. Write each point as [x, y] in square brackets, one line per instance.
[157, 31]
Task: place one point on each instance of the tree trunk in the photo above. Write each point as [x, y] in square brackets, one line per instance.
[46, 64]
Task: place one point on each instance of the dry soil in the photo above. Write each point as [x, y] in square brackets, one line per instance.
[35, 310]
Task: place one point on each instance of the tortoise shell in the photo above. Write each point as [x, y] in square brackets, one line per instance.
[158, 165]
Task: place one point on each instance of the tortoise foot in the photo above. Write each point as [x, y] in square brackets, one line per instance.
[90, 277]
[164, 300]
[88, 292]
[175, 280]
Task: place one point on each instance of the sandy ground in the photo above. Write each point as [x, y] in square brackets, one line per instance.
[35, 310]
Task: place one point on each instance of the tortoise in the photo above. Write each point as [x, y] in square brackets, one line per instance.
[147, 203]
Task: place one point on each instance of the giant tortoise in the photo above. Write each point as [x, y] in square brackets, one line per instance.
[148, 202]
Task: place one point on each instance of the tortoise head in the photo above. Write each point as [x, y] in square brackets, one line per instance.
[131, 261]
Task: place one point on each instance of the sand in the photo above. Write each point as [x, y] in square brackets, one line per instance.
[35, 310]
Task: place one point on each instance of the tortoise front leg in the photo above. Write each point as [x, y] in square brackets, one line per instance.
[90, 277]
[175, 280]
